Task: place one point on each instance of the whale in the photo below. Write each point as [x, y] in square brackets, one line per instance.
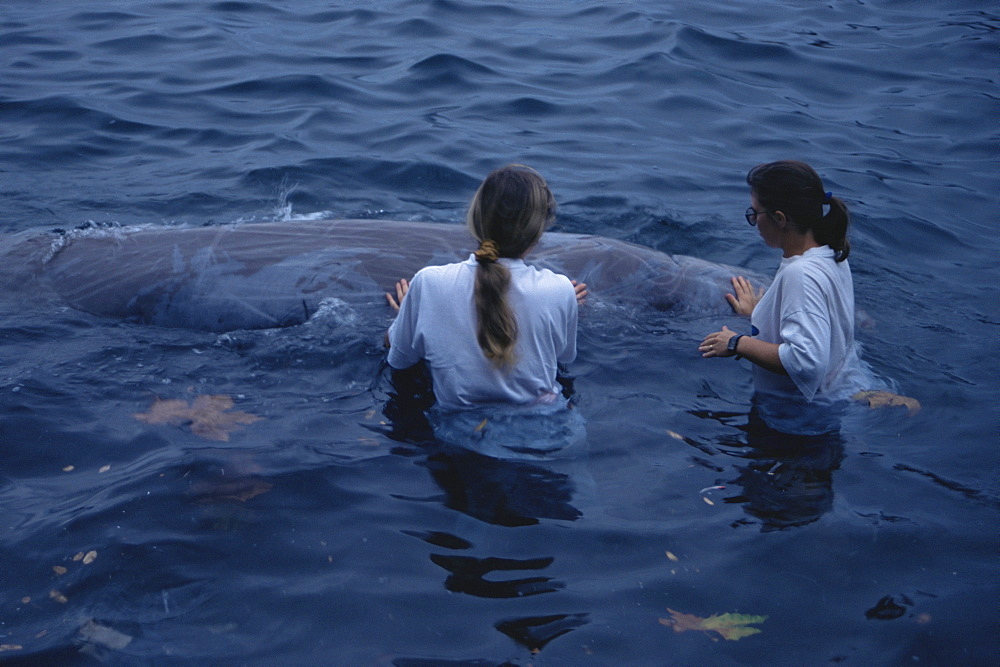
[277, 274]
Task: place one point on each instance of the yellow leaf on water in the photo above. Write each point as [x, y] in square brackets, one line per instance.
[481, 426]
[10, 647]
[672, 557]
[59, 569]
[707, 501]
[209, 416]
[78, 556]
[884, 399]
[675, 435]
[90, 557]
[729, 626]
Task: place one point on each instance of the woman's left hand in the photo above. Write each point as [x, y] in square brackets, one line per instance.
[745, 298]
[402, 287]
[717, 344]
[581, 292]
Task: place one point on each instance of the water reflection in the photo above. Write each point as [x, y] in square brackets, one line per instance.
[494, 490]
[507, 493]
[787, 479]
[504, 493]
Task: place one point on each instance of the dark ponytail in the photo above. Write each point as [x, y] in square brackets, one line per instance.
[507, 215]
[795, 189]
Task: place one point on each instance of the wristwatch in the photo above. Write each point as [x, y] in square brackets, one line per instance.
[733, 342]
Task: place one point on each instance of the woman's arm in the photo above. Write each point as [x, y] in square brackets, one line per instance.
[760, 352]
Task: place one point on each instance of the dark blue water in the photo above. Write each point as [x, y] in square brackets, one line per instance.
[330, 531]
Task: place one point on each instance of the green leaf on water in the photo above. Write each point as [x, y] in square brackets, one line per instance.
[730, 626]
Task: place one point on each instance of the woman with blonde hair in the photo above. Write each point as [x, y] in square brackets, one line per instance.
[491, 329]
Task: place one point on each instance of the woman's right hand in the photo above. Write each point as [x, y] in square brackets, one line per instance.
[402, 287]
[746, 298]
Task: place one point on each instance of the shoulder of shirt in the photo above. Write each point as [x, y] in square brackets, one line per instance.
[435, 269]
[805, 263]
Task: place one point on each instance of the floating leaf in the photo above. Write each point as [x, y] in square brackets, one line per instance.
[90, 557]
[672, 557]
[68, 468]
[10, 647]
[730, 626]
[209, 415]
[59, 569]
[105, 468]
[57, 596]
[882, 399]
[481, 426]
[92, 632]
[675, 435]
[78, 556]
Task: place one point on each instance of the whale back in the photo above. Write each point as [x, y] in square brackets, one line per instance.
[263, 275]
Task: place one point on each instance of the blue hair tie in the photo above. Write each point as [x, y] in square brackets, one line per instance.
[827, 197]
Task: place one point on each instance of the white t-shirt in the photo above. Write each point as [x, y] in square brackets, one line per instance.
[437, 323]
[809, 311]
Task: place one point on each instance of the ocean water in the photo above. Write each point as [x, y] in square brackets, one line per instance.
[328, 528]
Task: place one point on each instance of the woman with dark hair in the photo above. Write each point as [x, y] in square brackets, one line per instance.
[802, 340]
[491, 329]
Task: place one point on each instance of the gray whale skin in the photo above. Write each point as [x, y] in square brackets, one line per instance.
[264, 275]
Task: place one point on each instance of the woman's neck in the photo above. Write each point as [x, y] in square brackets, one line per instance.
[795, 243]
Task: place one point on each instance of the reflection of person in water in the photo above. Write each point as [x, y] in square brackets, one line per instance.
[788, 479]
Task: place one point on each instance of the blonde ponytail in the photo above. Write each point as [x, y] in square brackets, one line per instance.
[507, 215]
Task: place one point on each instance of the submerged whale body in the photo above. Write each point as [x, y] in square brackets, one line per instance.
[264, 275]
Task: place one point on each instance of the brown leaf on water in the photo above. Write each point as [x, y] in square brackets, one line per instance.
[78, 556]
[59, 569]
[730, 626]
[210, 416]
[481, 426]
[90, 557]
[883, 399]
[57, 596]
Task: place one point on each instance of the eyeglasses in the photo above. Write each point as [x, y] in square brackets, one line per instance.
[751, 215]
